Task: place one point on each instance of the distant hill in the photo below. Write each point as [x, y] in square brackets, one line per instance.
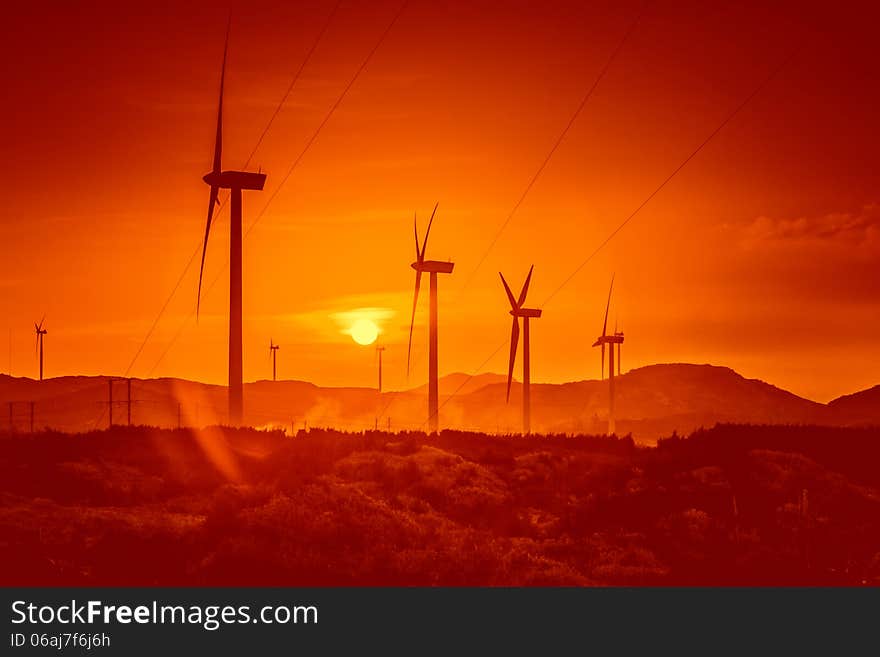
[460, 383]
[859, 408]
[651, 402]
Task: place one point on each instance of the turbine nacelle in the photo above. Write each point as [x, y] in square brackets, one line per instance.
[235, 180]
[617, 338]
[433, 266]
[526, 312]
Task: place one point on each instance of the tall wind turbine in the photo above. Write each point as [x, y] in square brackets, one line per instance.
[40, 333]
[517, 310]
[273, 349]
[615, 339]
[235, 181]
[432, 267]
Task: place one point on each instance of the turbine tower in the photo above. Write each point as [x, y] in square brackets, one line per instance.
[619, 359]
[615, 339]
[517, 310]
[235, 181]
[379, 350]
[40, 333]
[273, 349]
[432, 267]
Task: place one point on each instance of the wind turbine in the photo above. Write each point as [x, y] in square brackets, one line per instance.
[273, 349]
[517, 310]
[235, 181]
[615, 339]
[39, 346]
[432, 267]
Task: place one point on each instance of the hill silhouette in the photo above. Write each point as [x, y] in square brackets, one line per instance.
[859, 408]
[652, 402]
[460, 383]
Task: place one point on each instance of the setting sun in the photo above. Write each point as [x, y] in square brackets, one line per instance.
[364, 331]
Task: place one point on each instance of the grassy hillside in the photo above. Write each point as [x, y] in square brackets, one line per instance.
[729, 505]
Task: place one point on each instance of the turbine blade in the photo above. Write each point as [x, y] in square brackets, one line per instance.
[428, 232]
[509, 293]
[514, 341]
[218, 139]
[211, 203]
[525, 288]
[419, 254]
[412, 320]
[41, 322]
[607, 306]
[215, 168]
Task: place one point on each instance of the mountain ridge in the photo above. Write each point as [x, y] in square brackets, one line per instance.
[651, 401]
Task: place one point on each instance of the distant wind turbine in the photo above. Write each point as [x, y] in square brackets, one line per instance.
[432, 267]
[273, 349]
[39, 346]
[235, 181]
[517, 310]
[615, 339]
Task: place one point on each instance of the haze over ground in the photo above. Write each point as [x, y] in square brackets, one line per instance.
[652, 403]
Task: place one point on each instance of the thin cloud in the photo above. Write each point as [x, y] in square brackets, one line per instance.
[331, 321]
[861, 228]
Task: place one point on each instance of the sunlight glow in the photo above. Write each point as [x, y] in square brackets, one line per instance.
[364, 331]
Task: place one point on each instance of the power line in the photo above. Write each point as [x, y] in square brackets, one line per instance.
[299, 158]
[650, 196]
[547, 158]
[557, 143]
[171, 343]
[272, 118]
[329, 114]
[161, 312]
[294, 81]
[681, 166]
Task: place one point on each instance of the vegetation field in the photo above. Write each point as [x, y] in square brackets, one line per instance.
[734, 505]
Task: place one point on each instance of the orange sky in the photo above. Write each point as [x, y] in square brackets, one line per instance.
[762, 254]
